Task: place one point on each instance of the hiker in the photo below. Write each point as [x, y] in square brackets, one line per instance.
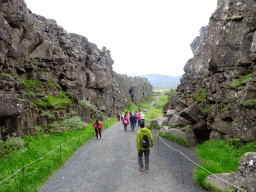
[125, 122]
[132, 120]
[118, 116]
[122, 116]
[98, 128]
[143, 137]
[138, 117]
[142, 118]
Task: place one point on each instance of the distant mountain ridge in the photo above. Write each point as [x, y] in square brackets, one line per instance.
[161, 80]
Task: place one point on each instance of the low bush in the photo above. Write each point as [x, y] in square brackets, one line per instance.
[74, 122]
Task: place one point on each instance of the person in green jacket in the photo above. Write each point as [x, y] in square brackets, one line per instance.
[141, 150]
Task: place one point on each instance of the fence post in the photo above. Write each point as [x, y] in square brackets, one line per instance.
[79, 137]
[60, 153]
[158, 145]
[23, 177]
[181, 169]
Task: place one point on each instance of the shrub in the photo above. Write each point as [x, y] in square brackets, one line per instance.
[153, 127]
[85, 103]
[15, 143]
[75, 123]
[200, 95]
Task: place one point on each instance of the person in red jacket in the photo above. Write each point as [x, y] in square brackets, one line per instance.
[138, 117]
[125, 122]
[98, 124]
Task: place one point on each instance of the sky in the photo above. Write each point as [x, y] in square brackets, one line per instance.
[143, 36]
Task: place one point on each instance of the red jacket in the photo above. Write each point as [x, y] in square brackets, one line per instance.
[126, 119]
[138, 117]
[99, 125]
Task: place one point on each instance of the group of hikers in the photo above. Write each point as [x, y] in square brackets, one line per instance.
[131, 118]
[144, 136]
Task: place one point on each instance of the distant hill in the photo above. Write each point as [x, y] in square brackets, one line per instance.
[161, 80]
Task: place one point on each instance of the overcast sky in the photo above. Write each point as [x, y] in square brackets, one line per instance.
[143, 36]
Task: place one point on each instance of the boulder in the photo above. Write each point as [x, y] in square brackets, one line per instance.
[10, 106]
[158, 121]
[170, 113]
[214, 135]
[178, 121]
[243, 132]
[191, 113]
[174, 101]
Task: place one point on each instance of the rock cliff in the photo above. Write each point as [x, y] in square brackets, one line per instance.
[46, 73]
[218, 89]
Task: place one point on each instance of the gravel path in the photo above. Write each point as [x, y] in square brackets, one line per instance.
[111, 165]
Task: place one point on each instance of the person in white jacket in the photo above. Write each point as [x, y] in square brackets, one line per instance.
[142, 118]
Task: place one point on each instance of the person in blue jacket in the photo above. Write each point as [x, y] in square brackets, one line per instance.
[132, 120]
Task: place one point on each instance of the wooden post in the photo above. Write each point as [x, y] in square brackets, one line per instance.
[158, 145]
[60, 153]
[181, 169]
[23, 178]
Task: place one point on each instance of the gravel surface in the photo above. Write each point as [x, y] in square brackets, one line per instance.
[110, 164]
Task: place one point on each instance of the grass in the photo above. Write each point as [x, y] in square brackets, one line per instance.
[37, 146]
[235, 17]
[241, 81]
[204, 110]
[175, 139]
[200, 95]
[55, 102]
[219, 156]
[249, 103]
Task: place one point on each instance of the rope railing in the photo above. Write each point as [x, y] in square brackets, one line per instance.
[195, 164]
[23, 167]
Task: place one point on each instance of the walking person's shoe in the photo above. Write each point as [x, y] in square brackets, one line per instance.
[146, 171]
[141, 169]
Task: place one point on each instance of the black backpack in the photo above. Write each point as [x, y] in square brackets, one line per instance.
[145, 141]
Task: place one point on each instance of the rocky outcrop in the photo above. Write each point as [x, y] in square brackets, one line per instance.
[218, 87]
[244, 177]
[47, 72]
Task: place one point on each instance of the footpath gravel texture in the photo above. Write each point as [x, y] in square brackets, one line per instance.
[110, 164]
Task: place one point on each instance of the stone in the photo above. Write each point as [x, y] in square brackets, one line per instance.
[158, 121]
[191, 113]
[170, 113]
[10, 106]
[214, 135]
[178, 121]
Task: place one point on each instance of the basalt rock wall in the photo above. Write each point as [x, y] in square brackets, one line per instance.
[217, 92]
[47, 74]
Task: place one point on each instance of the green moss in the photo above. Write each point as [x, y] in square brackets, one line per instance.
[249, 103]
[221, 4]
[200, 95]
[185, 128]
[85, 103]
[240, 81]
[235, 17]
[18, 59]
[41, 70]
[55, 102]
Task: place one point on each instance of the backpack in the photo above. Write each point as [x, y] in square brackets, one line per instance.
[118, 115]
[145, 141]
[125, 121]
[97, 128]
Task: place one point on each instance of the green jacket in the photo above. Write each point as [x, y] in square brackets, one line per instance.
[140, 133]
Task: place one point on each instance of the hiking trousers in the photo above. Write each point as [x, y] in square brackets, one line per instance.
[146, 154]
[97, 134]
[125, 127]
[132, 126]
